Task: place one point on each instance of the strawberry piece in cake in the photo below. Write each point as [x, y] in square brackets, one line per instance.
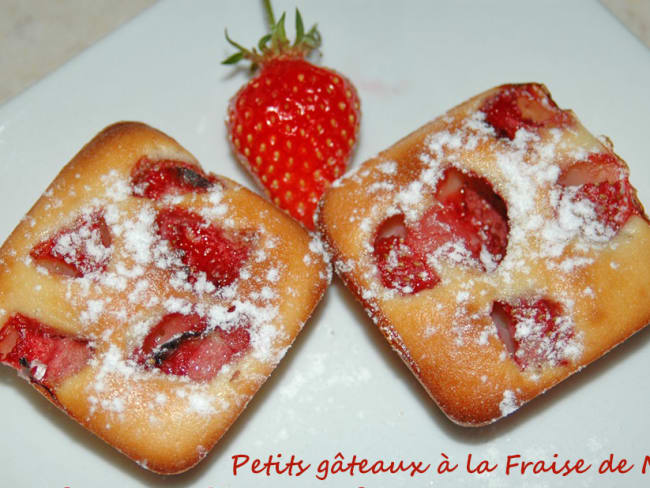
[535, 331]
[401, 267]
[201, 358]
[78, 250]
[602, 180]
[184, 345]
[49, 356]
[467, 222]
[155, 179]
[526, 106]
[171, 329]
[203, 247]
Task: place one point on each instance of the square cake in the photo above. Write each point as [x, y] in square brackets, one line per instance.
[499, 248]
[150, 300]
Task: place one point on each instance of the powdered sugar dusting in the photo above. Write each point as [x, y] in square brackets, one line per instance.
[509, 403]
[201, 403]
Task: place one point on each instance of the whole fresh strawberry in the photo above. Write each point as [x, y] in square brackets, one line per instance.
[294, 125]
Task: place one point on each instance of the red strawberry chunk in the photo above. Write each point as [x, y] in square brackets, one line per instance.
[50, 356]
[172, 327]
[534, 330]
[155, 179]
[614, 203]
[203, 247]
[179, 345]
[596, 169]
[83, 248]
[238, 338]
[602, 179]
[526, 106]
[400, 267]
[201, 358]
[468, 223]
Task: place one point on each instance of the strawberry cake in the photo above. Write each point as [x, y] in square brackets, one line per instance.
[499, 248]
[149, 299]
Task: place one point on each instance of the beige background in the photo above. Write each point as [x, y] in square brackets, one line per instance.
[38, 36]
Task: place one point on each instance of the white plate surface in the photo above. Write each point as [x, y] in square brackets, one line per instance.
[340, 388]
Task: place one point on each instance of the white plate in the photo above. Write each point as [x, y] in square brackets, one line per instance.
[341, 389]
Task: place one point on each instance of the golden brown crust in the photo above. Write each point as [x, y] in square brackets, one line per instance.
[446, 335]
[166, 423]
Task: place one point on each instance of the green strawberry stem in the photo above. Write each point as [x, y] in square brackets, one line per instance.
[275, 43]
